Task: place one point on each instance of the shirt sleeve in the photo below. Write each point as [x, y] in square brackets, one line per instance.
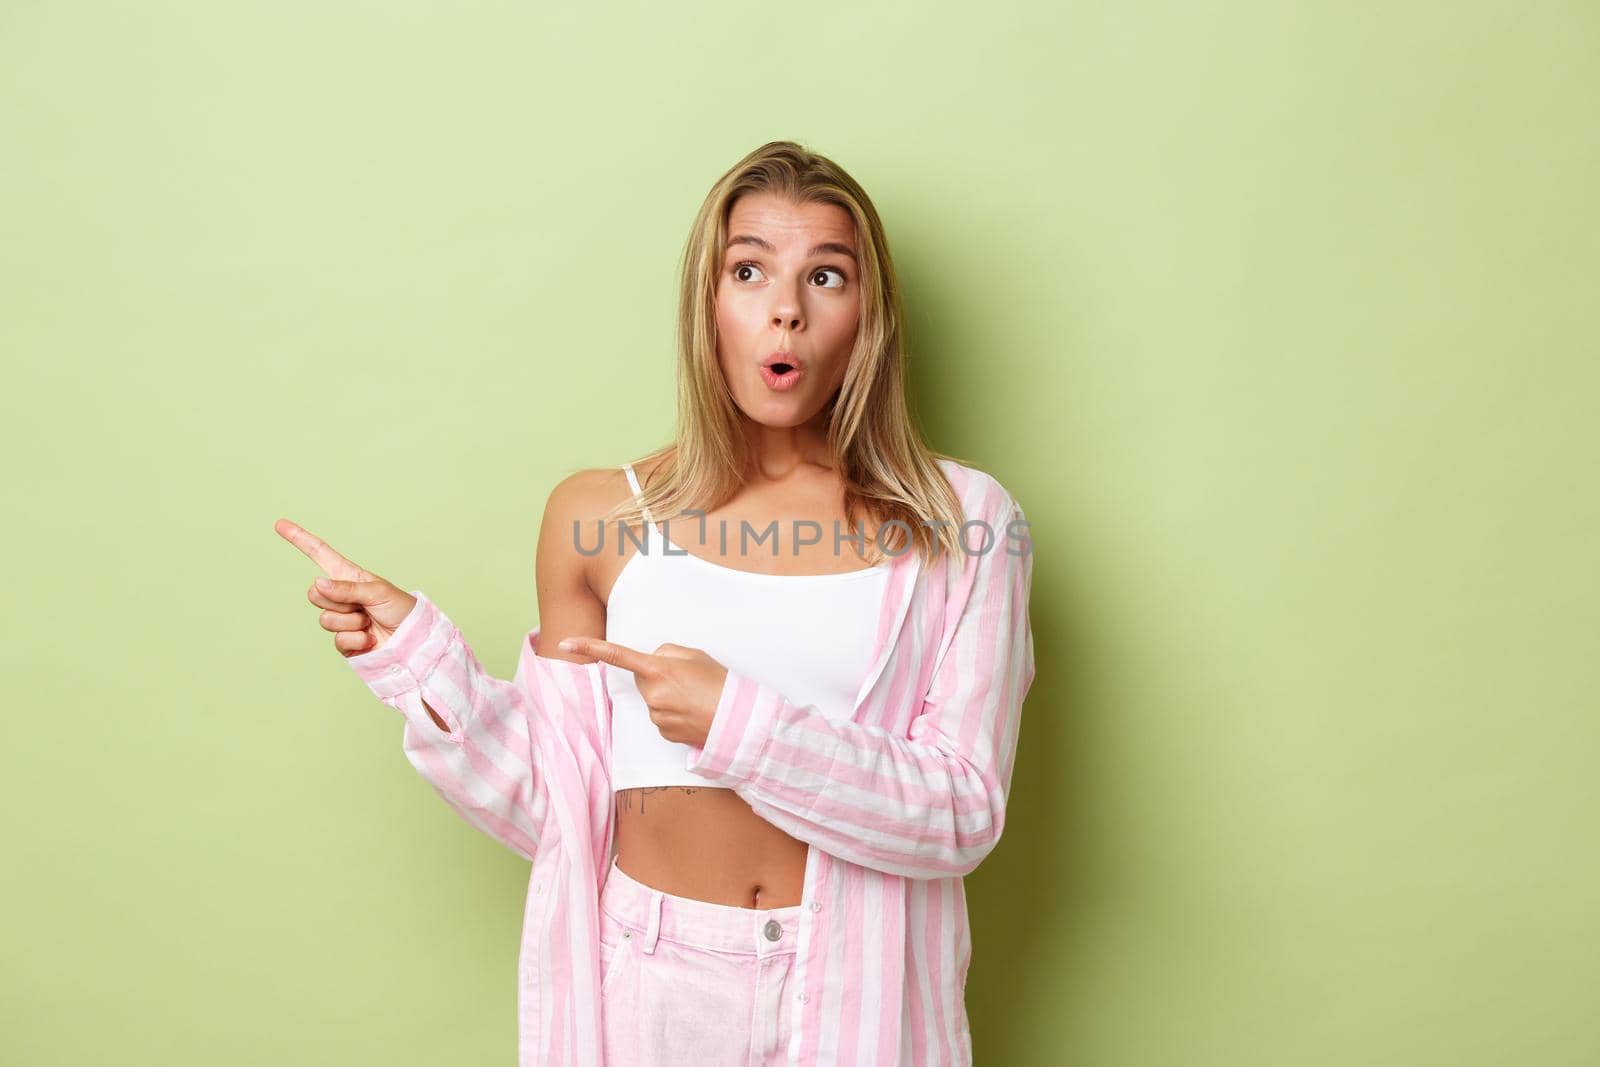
[927, 805]
[488, 766]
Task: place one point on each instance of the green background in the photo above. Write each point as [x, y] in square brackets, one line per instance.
[1269, 313]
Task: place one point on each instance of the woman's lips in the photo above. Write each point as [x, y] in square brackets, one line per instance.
[781, 382]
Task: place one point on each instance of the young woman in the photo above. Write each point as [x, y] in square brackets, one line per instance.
[768, 720]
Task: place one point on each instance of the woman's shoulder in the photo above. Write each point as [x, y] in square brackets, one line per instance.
[589, 489]
[601, 487]
[584, 496]
[981, 494]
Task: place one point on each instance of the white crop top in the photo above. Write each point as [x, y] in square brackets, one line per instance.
[810, 636]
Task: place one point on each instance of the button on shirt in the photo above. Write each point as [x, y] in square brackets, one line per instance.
[895, 803]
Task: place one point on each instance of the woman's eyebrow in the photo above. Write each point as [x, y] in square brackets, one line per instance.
[816, 250]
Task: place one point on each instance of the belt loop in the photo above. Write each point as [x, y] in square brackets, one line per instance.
[653, 930]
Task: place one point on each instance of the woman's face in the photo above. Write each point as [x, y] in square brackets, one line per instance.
[786, 293]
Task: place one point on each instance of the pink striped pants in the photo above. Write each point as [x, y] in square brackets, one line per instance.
[689, 983]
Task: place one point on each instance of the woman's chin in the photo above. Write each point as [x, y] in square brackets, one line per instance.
[780, 412]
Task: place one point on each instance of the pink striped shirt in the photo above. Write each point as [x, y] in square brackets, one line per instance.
[895, 804]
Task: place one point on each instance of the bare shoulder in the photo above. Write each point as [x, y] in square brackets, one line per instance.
[568, 603]
[586, 493]
[575, 503]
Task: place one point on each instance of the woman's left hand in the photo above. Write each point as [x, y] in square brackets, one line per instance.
[680, 685]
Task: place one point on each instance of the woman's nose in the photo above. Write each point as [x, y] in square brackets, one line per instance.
[785, 308]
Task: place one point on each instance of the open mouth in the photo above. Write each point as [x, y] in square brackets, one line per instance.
[780, 375]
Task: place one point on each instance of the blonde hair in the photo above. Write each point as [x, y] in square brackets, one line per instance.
[888, 471]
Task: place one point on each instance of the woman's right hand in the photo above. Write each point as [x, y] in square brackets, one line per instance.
[360, 608]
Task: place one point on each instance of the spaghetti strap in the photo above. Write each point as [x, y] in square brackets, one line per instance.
[633, 482]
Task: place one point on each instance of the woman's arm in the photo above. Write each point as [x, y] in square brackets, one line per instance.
[484, 760]
[925, 806]
[484, 765]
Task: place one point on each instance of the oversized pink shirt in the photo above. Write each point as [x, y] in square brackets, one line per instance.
[895, 803]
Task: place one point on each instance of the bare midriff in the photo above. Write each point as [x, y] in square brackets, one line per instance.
[707, 844]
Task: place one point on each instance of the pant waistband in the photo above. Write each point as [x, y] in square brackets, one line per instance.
[654, 914]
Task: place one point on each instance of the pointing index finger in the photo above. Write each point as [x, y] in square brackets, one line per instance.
[610, 652]
[321, 553]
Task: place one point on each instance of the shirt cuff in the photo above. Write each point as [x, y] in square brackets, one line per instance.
[746, 716]
[405, 660]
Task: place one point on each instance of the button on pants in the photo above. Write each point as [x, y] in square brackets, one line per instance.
[689, 983]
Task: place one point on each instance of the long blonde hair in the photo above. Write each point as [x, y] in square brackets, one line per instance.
[888, 471]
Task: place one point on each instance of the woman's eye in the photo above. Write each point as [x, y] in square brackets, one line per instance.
[745, 270]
